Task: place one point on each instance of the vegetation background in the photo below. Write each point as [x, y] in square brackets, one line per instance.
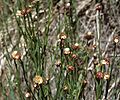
[59, 50]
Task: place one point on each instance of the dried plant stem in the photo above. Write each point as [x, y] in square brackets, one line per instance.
[98, 26]
[109, 40]
[111, 88]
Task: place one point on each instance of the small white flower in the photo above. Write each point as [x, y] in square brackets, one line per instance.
[66, 51]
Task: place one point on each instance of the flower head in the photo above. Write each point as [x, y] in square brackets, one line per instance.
[99, 75]
[74, 56]
[95, 62]
[16, 55]
[105, 62]
[58, 63]
[75, 46]
[106, 76]
[116, 39]
[47, 79]
[62, 36]
[18, 13]
[89, 36]
[65, 88]
[70, 68]
[38, 80]
[66, 51]
[98, 6]
[24, 11]
[85, 82]
[27, 95]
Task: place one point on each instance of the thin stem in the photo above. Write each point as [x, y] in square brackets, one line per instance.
[24, 74]
[108, 81]
[98, 24]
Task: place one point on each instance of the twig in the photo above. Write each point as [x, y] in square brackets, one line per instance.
[110, 38]
[98, 28]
